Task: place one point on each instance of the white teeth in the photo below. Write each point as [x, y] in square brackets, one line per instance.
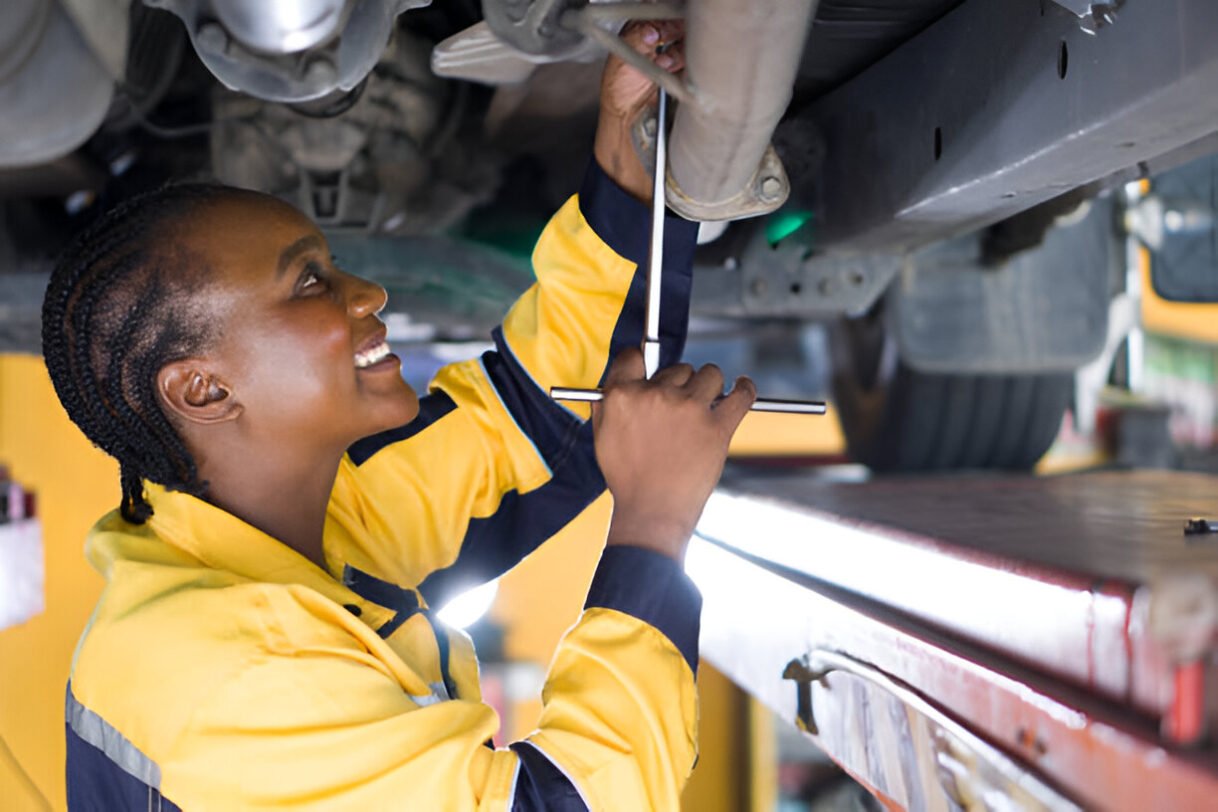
[369, 357]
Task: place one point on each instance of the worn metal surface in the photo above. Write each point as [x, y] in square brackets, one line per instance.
[1001, 105]
[105, 26]
[940, 763]
[335, 65]
[476, 54]
[54, 92]
[1042, 310]
[1087, 578]
[396, 161]
[533, 26]
[758, 617]
[282, 26]
[741, 57]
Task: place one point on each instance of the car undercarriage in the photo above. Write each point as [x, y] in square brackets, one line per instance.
[941, 181]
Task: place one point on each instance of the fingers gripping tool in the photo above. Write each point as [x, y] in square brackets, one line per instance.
[655, 265]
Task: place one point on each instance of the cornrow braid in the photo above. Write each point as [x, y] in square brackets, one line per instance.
[119, 306]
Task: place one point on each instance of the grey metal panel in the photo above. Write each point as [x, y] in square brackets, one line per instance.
[1001, 105]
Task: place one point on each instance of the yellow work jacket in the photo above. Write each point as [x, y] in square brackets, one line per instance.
[222, 670]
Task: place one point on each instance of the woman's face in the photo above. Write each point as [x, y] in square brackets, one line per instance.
[298, 343]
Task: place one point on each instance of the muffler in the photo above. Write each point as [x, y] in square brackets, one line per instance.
[741, 57]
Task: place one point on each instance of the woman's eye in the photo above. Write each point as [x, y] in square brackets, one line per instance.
[310, 280]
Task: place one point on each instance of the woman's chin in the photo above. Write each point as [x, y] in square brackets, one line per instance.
[398, 409]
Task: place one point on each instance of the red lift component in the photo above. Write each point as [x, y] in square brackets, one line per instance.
[1044, 643]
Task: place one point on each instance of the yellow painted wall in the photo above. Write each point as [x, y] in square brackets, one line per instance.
[75, 484]
[789, 435]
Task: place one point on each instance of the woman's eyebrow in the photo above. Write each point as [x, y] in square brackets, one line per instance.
[310, 242]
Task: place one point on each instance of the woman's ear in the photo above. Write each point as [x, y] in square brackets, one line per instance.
[195, 394]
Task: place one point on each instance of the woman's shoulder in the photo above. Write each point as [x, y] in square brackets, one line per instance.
[165, 637]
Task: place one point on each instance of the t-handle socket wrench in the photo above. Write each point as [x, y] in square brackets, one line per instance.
[655, 265]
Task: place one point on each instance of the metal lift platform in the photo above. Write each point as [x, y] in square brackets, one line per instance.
[979, 643]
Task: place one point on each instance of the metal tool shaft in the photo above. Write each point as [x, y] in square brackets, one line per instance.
[759, 405]
[655, 257]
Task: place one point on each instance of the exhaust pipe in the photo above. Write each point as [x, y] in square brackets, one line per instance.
[741, 57]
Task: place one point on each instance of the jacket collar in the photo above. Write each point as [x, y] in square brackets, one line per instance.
[225, 542]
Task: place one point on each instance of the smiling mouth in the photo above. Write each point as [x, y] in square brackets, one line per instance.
[372, 355]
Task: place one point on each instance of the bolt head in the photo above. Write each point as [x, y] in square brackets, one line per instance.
[758, 287]
[212, 37]
[770, 188]
[321, 72]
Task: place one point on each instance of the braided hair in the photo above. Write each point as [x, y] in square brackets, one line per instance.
[120, 305]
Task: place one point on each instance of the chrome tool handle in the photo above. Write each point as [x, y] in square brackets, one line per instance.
[655, 256]
[573, 395]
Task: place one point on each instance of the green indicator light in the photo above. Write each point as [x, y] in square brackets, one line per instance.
[784, 224]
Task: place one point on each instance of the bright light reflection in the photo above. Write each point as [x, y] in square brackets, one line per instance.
[468, 608]
[962, 591]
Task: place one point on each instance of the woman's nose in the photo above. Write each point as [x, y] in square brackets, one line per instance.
[367, 298]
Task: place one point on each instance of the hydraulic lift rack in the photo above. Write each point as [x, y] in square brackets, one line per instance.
[989, 642]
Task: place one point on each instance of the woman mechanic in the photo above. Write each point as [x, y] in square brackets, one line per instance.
[289, 506]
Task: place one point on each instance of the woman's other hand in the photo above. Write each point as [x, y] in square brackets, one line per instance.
[626, 94]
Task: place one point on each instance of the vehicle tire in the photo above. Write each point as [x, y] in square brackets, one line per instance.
[897, 419]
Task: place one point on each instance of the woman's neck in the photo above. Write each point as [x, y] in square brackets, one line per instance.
[287, 502]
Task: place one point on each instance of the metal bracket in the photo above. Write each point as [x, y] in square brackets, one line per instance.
[804, 676]
[1092, 14]
[766, 191]
[788, 279]
[969, 768]
[590, 21]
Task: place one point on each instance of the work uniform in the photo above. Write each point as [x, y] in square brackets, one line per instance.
[223, 670]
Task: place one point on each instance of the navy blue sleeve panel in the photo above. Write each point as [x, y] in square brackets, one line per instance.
[496, 543]
[624, 224]
[95, 780]
[541, 786]
[432, 407]
[653, 588]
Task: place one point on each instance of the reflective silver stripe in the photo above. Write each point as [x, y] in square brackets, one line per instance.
[98, 732]
[511, 799]
[438, 694]
[439, 689]
[423, 700]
